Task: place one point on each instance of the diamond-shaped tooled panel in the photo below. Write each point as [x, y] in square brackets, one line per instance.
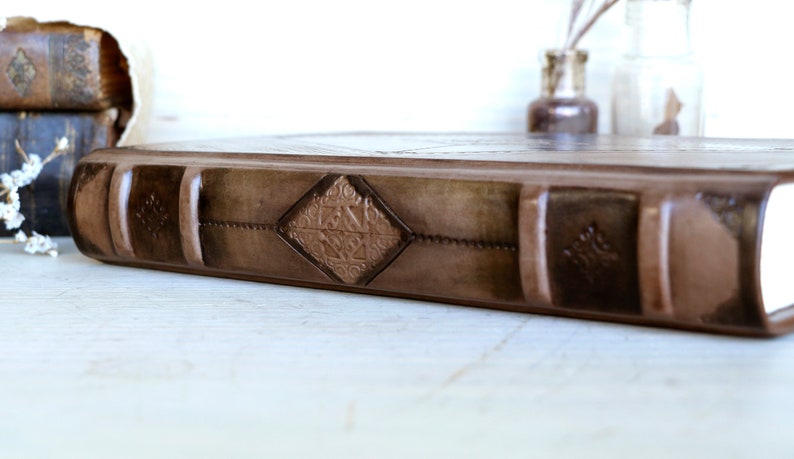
[345, 229]
[21, 72]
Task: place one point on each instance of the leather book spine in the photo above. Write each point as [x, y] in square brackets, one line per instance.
[61, 67]
[678, 250]
[44, 201]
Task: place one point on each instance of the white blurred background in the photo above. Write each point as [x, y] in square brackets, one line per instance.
[248, 68]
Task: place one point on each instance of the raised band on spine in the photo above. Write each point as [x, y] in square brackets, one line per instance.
[532, 245]
[118, 202]
[188, 216]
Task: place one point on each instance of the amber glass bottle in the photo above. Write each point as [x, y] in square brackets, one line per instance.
[562, 106]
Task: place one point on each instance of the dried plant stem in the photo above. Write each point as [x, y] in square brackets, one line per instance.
[21, 151]
[574, 38]
[575, 34]
[61, 148]
[54, 154]
[576, 8]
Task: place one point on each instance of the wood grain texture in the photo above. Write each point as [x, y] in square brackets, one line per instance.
[108, 361]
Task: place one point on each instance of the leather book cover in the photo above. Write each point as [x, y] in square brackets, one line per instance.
[44, 201]
[60, 66]
[685, 233]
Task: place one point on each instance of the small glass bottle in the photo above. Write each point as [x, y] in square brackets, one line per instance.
[658, 88]
[562, 106]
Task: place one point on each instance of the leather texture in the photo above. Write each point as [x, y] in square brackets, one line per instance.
[675, 247]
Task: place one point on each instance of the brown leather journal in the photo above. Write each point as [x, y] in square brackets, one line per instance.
[60, 66]
[685, 233]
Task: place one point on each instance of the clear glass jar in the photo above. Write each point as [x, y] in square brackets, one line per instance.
[658, 88]
[562, 106]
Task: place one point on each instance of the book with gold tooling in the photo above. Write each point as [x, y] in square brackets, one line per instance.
[665, 231]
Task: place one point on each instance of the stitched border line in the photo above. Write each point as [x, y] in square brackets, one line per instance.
[238, 225]
[485, 245]
[420, 238]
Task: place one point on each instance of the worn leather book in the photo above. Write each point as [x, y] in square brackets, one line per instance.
[686, 233]
[60, 66]
[44, 201]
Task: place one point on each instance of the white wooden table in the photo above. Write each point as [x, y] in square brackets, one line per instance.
[106, 361]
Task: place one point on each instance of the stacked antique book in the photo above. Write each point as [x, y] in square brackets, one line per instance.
[58, 80]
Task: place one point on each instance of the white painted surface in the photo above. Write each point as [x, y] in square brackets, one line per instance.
[103, 361]
[271, 67]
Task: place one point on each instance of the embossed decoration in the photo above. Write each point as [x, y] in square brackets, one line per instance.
[591, 253]
[728, 209]
[21, 72]
[75, 65]
[152, 214]
[344, 229]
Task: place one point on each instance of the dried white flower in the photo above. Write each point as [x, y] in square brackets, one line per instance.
[26, 175]
[14, 220]
[11, 182]
[12, 198]
[9, 211]
[33, 167]
[6, 180]
[62, 144]
[39, 243]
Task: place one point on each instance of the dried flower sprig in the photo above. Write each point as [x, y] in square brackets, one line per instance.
[575, 33]
[37, 243]
[11, 182]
